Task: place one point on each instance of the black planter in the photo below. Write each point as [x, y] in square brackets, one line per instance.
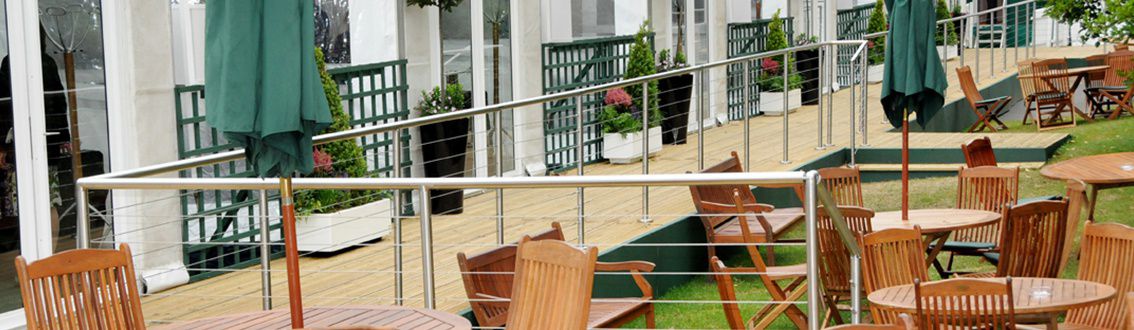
[443, 153]
[807, 64]
[673, 101]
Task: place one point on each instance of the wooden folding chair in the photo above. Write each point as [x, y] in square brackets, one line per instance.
[988, 304]
[985, 188]
[891, 257]
[1053, 94]
[978, 152]
[1107, 256]
[1098, 105]
[844, 183]
[1031, 242]
[988, 111]
[81, 289]
[1116, 89]
[552, 288]
[769, 275]
[835, 263]
[1028, 88]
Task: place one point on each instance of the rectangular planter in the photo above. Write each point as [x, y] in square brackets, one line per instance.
[874, 73]
[330, 232]
[627, 148]
[947, 52]
[772, 104]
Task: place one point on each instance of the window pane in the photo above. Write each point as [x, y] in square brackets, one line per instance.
[498, 78]
[9, 213]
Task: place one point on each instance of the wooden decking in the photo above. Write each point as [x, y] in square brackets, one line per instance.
[365, 275]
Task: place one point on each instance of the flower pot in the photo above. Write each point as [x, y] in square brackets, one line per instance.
[331, 232]
[627, 148]
[947, 52]
[807, 64]
[443, 147]
[673, 101]
[772, 103]
[875, 72]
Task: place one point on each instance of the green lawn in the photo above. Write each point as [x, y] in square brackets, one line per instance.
[1087, 139]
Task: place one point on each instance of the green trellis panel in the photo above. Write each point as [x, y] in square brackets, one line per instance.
[372, 94]
[573, 65]
[747, 39]
[851, 24]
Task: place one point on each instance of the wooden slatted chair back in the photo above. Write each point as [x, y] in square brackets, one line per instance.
[552, 288]
[1027, 85]
[968, 86]
[964, 303]
[891, 257]
[835, 262]
[844, 183]
[1031, 243]
[1097, 78]
[488, 276]
[1056, 78]
[1107, 257]
[904, 322]
[985, 188]
[720, 194]
[81, 289]
[1130, 310]
[978, 152]
[1119, 62]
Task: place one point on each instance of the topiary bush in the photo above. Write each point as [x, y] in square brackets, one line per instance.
[336, 159]
[641, 63]
[771, 78]
[950, 35]
[877, 23]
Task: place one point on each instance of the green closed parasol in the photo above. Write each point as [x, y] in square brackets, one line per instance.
[914, 80]
[264, 94]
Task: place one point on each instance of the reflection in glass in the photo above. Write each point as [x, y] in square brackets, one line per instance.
[332, 30]
[498, 79]
[456, 62]
[9, 213]
[592, 18]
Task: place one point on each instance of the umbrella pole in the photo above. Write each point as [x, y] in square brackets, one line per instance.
[287, 211]
[906, 165]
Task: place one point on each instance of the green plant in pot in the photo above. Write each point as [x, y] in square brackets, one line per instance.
[674, 94]
[876, 47]
[622, 140]
[945, 35]
[443, 145]
[770, 81]
[321, 211]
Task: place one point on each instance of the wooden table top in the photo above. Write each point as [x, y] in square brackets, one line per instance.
[325, 317]
[934, 220]
[1116, 168]
[1071, 72]
[1064, 295]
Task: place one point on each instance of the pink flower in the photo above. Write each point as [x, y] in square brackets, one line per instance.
[323, 161]
[618, 97]
[770, 65]
[870, 44]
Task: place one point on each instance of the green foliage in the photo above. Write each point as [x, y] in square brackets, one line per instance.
[641, 63]
[615, 121]
[345, 159]
[666, 64]
[942, 11]
[446, 5]
[877, 23]
[777, 38]
[1108, 20]
[771, 79]
[436, 101]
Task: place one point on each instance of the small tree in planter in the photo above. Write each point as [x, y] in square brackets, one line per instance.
[622, 129]
[331, 220]
[641, 63]
[443, 144]
[946, 36]
[674, 97]
[876, 54]
[771, 78]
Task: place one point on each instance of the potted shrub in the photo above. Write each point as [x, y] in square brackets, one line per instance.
[876, 54]
[443, 144]
[807, 62]
[771, 79]
[330, 220]
[622, 129]
[945, 36]
[673, 98]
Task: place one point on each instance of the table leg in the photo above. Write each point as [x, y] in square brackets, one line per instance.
[1074, 87]
[1053, 322]
[1091, 198]
[938, 241]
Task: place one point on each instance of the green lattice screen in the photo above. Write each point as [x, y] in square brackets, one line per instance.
[572, 65]
[851, 24]
[747, 39]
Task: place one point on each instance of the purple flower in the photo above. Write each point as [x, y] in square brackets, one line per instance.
[770, 65]
[323, 161]
[618, 97]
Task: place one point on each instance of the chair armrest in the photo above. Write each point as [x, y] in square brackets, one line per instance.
[636, 268]
[491, 300]
[731, 208]
[994, 100]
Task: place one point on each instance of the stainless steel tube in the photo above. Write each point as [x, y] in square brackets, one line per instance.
[854, 70]
[1004, 39]
[831, 81]
[701, 120]
[745, 113]
[786, 107]
[399, 287]
[991, 51]
[1015, 34]
[645, 150]
[1033, 20]
[864, 118]
[976, 48]
[427, 285]
[814, 295]
[497, 130]
[265, 252]
[819, 120]
[581, 222]
[856, 289]
[82, 219]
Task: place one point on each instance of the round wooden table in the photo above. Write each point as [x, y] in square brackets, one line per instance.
[936, 224]
[1063, 295]
[1100, 171]
[325, 317]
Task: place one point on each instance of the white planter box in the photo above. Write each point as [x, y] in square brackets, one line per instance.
[330, 232]
[625, 149]
[772, 104]
[947, 52]
[874, 73]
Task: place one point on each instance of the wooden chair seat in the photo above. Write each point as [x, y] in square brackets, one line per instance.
[1062, 326]
[605, 312]
[777, 273]
[730, 231]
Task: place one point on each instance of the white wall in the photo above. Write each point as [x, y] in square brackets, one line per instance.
[373, 31]
[629, 15]
[526, 73]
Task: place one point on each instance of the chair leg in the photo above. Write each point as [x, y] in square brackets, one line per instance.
[771, 259]
[832, 311]
[1027, 111]
[650, 318]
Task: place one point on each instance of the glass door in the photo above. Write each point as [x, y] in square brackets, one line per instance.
[9, 210]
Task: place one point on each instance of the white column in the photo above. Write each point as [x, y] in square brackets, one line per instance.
[718, 51]
[480, 123]
[139, 91]
[739, 11]
[556, 19]
[373, 28]
[629, 15]
[661, 20]
[527, 78]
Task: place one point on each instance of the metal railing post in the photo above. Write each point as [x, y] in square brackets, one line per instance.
[1015, 34]
[976, 46]
[498, 139]
[962, 39]
[819, 94]
[399, 287]
[864, 116]
[787, 109]
[645, 150]
[814, 295]
[831, 81]
[82, 219]
[265, 253]
[746, 112]
[1033, 19]
[856, 289]
[700, 120]
[853, 107]
[581, 223]
[1004, 39]
[427, 285]
[991, 51]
